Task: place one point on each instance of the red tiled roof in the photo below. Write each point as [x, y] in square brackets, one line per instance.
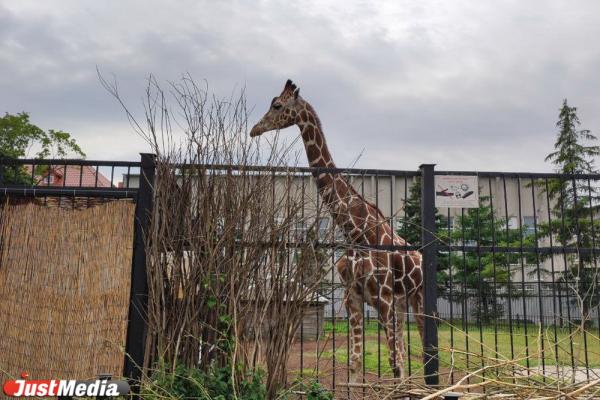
[82, 176]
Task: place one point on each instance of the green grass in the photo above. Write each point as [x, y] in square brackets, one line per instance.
[495, 345]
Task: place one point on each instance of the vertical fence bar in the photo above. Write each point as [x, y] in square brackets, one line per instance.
[394, 317]
[539, 278]
[138, 298]
[480, 298]
[494, 270]
[367, 323]
[375, 187]
[1, 171]
[553, 283]
[523, 290]
[450, 279]
[303, 237]
[429, 249]
[465, 296]
[592, 224]
[1, 179]
[406, 303]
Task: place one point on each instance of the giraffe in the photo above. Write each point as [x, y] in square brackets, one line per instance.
[386, 280]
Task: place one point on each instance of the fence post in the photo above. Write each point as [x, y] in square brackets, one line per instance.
[429, 250]
[138, 297]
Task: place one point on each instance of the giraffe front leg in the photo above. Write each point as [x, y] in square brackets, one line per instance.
[354, 305]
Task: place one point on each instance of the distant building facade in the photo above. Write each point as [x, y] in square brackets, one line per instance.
[516, 201]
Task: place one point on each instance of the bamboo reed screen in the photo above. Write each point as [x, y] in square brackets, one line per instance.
[64, 289]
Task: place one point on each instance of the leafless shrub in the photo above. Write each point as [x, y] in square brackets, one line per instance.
[222, 287]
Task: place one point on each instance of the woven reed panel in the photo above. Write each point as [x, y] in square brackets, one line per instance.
[64, 289]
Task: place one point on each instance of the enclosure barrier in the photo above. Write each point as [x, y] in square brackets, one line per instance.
[81, 184]
[514, 278]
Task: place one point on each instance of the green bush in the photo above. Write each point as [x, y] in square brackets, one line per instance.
[316, 391]
[313, 390]
[216, 384]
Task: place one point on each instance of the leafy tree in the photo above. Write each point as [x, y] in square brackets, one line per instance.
[575, 204]
[18, 136]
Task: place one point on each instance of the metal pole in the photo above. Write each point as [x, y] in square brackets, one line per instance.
[138, 298]
[429, 250]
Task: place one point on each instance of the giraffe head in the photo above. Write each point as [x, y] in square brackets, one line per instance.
[283, 112]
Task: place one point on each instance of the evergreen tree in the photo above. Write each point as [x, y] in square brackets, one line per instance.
[410, 224]
[485, 274]
[575, 204]
[572, 155]
[472, 274]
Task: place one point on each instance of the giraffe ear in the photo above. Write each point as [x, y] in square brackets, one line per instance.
[296, 93]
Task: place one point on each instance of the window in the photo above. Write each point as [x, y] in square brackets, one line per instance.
[338, 236]
[397, 224]
[299, 232]
[447, 222]
[513, 223]
[529, 225]
[278, 228]
[323, 225]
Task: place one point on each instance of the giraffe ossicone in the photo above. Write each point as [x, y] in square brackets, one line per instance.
[386, 280]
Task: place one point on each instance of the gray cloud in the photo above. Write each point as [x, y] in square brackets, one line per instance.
[465, 85]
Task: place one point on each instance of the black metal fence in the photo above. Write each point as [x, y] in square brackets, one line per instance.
[520, 273]
[81, 183]
[514, 278]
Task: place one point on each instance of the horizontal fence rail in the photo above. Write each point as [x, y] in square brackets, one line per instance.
[68, 174]
[69, 191]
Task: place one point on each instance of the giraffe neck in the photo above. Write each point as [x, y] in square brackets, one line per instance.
[342, 200]
[314, 141]
[332, 186]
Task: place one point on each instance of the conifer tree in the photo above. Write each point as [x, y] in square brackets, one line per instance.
[409, 228]
[575, 204]
[473, 275]
[484, 275]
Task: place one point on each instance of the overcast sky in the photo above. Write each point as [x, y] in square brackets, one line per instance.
[465, 84]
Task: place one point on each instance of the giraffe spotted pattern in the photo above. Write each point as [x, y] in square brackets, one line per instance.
[386, 280]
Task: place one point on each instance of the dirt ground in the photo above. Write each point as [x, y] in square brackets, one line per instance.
[304, 357]
[314, 359]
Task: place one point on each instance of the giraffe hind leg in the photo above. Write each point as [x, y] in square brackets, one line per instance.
[354, 305]
[392, 319]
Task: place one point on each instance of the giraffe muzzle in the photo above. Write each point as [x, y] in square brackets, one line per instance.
[256, 131]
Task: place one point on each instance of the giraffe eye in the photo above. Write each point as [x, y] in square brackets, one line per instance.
[276, 106]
